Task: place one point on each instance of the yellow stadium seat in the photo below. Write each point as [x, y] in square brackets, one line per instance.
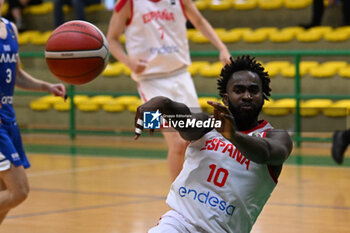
[230, 37]
[313, 107]
[127, 70]
[280, 37]
[67, 9]
[38, 105]
[132, 107]
[321, 29]
[122, 38]
[268, 103]
[113, 69]
[220, 5]
[95, 7]
[4, 8]
[190, 33]
[113, 106]
[40, 9]
[62, 106]
[50, 99]
[80, 98]
[201, 4]
[335, 64]
[322, 71]
[101, 99]
[127, 100]
[309, 36]
[254, 37]
[304, 68]
[296, 4]
[267, 30]
[340, 108]
[336, 36]
[245, 4]
[294, 30]
[270, 4]
[344, 29]
[205, 106]
[280, 107]
[212, 70]
[198, 37]
[88, 106]
[275, 67]
[344, 72]
[196, 66]
[23, 38]
[40, 39]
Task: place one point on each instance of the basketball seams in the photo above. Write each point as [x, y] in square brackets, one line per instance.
[77, 52]
[85, 33]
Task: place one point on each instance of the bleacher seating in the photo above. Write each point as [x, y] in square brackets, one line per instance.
[242, 25]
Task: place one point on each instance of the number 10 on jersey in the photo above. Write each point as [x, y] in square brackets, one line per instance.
[220, 175]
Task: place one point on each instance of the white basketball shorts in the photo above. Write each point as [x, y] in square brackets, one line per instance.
[178, 87]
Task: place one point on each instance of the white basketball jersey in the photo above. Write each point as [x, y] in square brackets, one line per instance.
[219, 189]
[157, 33]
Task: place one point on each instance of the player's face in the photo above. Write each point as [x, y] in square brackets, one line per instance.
[244, 96]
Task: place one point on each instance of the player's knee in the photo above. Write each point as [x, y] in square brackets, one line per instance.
[20, 195]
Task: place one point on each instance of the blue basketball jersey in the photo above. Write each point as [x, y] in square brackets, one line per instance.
[8, 62]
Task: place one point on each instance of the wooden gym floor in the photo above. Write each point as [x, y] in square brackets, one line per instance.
[113, 185]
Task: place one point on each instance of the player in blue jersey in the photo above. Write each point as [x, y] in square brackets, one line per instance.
[14, 185]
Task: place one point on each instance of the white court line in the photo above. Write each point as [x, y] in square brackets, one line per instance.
[87, 169]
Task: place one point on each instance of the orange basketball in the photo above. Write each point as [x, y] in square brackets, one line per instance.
[77, 52]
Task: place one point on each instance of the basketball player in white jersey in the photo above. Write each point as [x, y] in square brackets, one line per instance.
[14, 186]
[226, 180]
[158, 54]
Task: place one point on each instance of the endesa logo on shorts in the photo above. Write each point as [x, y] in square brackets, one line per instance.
[206, 198]
[154, 120]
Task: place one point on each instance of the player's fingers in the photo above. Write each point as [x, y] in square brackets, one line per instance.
[217, 106]
[151, 131]
[228, 117]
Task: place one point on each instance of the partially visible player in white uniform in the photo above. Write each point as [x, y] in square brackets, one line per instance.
[158, 54]
[226, 180]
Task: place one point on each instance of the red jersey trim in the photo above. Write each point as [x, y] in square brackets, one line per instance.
[120, 5]
[262, 124]
[132, 12]
[183, 9]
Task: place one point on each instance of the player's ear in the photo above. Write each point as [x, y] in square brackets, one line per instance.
[225, 99]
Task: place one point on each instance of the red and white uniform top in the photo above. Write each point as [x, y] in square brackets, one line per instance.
[219, 189]
[157, 33]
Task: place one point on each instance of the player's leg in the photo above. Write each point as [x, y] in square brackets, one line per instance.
[341, 140]
[176, 152]
[14, 189]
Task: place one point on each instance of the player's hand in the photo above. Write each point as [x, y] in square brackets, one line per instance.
[225, 56]
[223, 114]
[138, 123]
[57, 89]
[138, 66]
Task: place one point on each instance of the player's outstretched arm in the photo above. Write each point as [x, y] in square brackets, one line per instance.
[27, 82]
[167, 107]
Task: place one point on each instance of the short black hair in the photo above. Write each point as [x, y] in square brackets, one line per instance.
[242, 63]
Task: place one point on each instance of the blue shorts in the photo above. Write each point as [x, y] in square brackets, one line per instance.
[11, 148]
